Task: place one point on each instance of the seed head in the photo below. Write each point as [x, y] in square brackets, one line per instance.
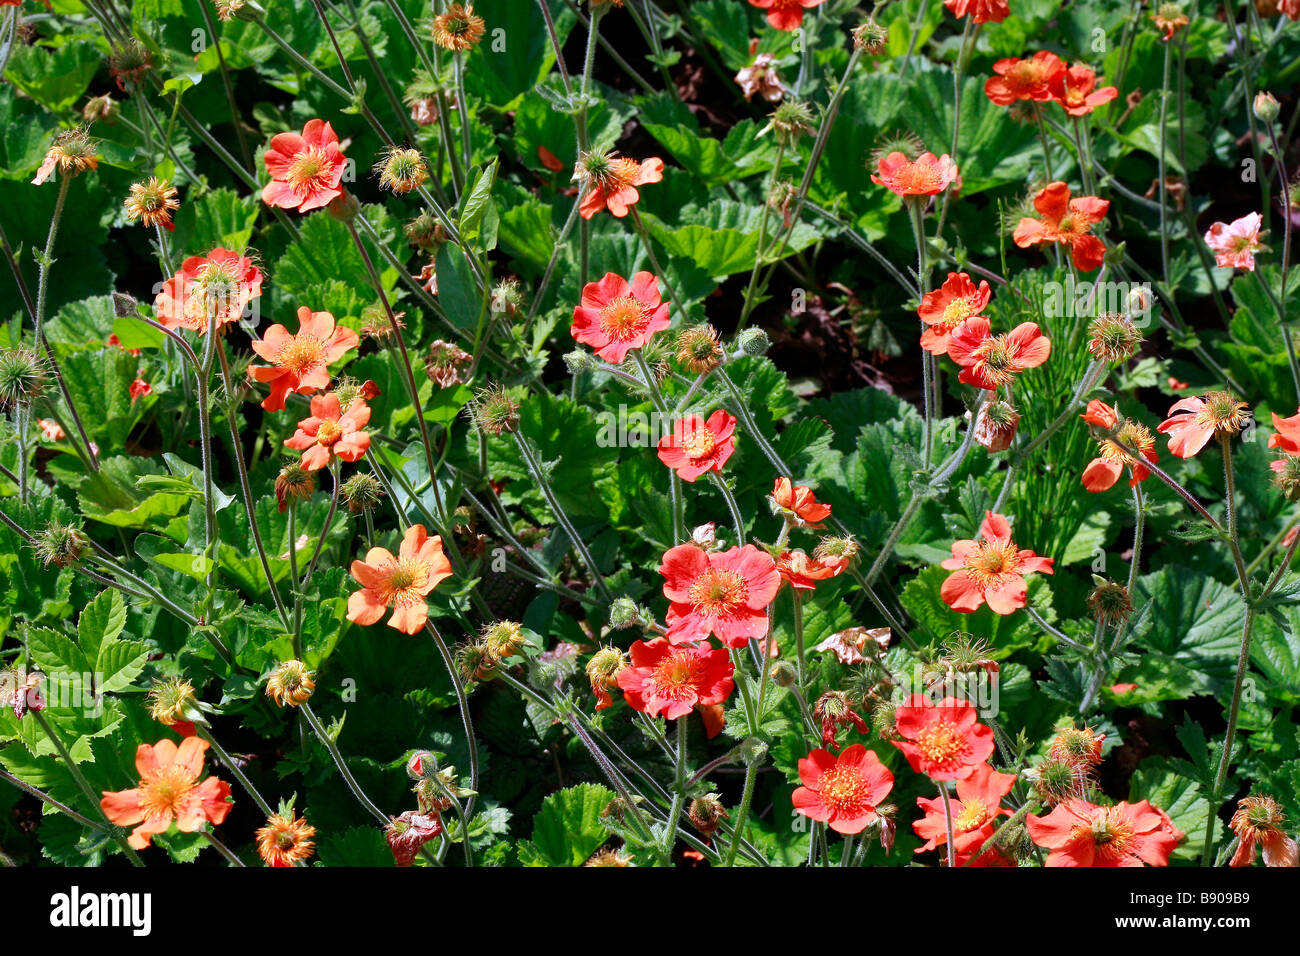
[698, 349]
[152, 203]
[402, 170]
[59, 544]
[1114, 337]
[362, 492]
[494, 411]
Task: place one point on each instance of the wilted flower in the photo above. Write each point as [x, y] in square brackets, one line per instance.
[73, 152]
[402, 170]
[1258, 824]
[152, 203]
[286, 840]
[290, 684]
[458, 29]
[443, 363]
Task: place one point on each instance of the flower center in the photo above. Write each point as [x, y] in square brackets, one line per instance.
[676, 675]
[216, 291]
[623, 319]
[302, 354]
[941, 743]
[956, 312]
[309, 170]
[162, 795]
[328, 433]
[973, 815]
[843, 789]
[995, 360]
[699, 441]
[718, 591]
[404, 581]
[1112, 836]
[990, 562]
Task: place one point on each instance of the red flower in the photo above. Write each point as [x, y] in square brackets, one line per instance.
[697, 446]
[1074, 89]
[990, 570]
[616, 316]
[989, 361]
[1019, 79]
[305, 168]
[943, 740]
[219, 285]
[1079, 833]
[1067, 221]
[802, 571]
[670, 681]
[330, 430]
[300, 361]
[785, 14]
[948, 307]
[927, 175]
[725, 593]
[139, 388]
[1103, 471]
[169, 789]
[842, 792]
[401, 582]
[978, 804]
[981, 11]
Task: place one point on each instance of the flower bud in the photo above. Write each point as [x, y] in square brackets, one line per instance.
[579, 361]
[753, 751]
[754, 342]
[623, 613]
[782, 674]
[1266, 106]
[1286, 476]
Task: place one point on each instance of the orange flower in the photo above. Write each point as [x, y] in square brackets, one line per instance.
[981, 11]
[1170, 17]
[616, 316]
[799, 504]
[300, 360]
[610, 182]
[1075, 89]
[217, 286]
[989, 361]
[948, 307]
[1287, 437]
[169, 790]
[330, 430]
[306, 168]
[1102, 472]
[1067, 221]
[990, 570]
[1079, 833]
[1192, 422]
[401, 582]
[926, 175]
[1019, 79]
[785, 14]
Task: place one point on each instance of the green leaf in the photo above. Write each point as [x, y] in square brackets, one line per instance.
[568, 829]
